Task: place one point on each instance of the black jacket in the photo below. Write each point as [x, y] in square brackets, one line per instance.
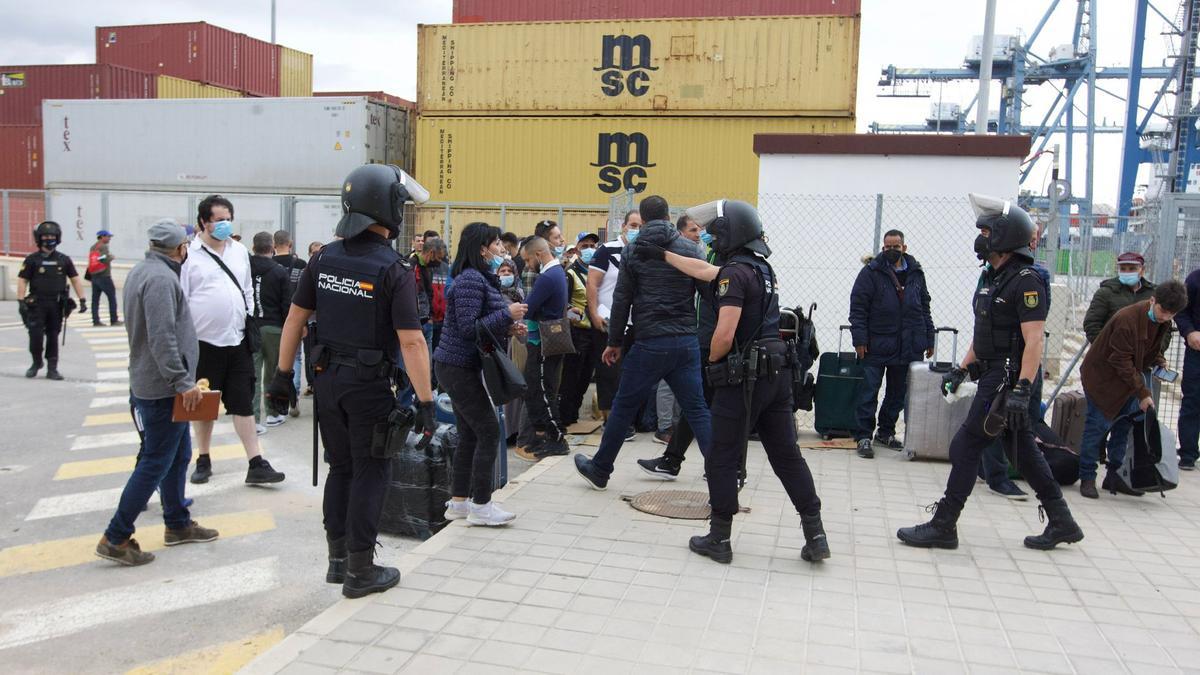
[661, 298]
[272, 290]
[894, 331]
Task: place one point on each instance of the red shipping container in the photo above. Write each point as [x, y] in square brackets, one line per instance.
[488, 11]
[21, 157]
[193, 51]
[23, 88]
[24, 211]
[375, 95]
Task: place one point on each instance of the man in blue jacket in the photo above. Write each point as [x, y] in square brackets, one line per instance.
[891, 327]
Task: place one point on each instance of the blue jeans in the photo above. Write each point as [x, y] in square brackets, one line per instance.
[1095, 428]
[893, 399]
[675, 359]
[1189, 409]
[164, 462]
[296, 372]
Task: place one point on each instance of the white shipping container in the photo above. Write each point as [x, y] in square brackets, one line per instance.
[278, 145]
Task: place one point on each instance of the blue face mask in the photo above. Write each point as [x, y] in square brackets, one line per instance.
[507, 281]
[1153, 319]
[1129, 278]
[494, 263]
[222, 230]
[706, 238]
[559, 251]
[631, 236]
[586, 255]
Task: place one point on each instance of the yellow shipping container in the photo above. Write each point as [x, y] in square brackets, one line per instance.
[588, 160]
[788, 66]
[518, 221]
[174, 87]
[295, 73]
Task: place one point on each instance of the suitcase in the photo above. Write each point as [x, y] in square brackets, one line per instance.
[930, 420]
[500, 473]
[1070, 412]
[839, 381]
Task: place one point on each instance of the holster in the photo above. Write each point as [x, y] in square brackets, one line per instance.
[388, 438]
[729, 372]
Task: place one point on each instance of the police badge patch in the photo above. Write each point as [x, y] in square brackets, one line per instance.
[1032, 298]
[723, 287]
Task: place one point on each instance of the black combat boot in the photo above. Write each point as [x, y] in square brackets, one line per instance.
[715, 544]
[1062, 528]
[816, 545]
[52, 370]
[364, 577]
[33, 370]
[337, 561]
[940, 532]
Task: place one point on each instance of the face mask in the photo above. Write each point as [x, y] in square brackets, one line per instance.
[1151, 315]
[506, 281]
[494, 263]
[892, 256]
[1129, 278]
[559, 250]
[982, 247]
[706, 238]
[631, 236]
[586, 255]
[50, 244]
[222, 230]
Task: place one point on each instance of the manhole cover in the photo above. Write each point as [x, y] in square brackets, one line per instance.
[683, 504]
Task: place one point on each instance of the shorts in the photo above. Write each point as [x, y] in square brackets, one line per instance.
[229, 370]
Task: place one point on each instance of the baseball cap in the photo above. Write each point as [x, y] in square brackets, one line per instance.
[1131, 257]
[167, 233]
[104, 233]
[587, 235]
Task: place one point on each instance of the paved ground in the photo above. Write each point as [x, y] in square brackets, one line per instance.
[583, 583]
[66, 451]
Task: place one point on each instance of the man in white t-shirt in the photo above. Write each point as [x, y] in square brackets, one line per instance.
[216, 282]
[601, 282]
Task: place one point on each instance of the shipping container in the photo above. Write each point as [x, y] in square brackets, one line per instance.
[783, 66]
[516, 220]
[295, 72]
[587, 160]
[390, 99]
[287, 145]
[23, 88]
[193, 51]
[22, 212]
[483, 11]
[173, 87]
[21, 157]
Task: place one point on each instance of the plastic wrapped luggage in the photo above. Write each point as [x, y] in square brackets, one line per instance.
[839, 381]
[415, 503]
[930, 419]
[1070, 413]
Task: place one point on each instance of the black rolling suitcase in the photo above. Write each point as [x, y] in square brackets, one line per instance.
[839, 381]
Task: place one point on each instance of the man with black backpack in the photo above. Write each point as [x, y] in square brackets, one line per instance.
[285, 254]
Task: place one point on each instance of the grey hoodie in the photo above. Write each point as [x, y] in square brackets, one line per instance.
[163, 349]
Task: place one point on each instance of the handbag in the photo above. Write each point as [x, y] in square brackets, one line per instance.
[555, 337]
[504, 381]
[251, 336]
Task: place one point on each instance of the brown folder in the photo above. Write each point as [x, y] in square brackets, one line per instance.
[208, 410]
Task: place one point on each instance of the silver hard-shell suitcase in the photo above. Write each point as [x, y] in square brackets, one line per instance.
[931, 421]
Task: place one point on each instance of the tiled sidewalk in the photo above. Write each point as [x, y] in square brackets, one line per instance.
[583, 583]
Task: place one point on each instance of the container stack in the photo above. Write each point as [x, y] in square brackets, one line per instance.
[166, 61]
[521, 107]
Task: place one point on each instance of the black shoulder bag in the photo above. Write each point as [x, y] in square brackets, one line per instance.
[504, 381]
[252, 338]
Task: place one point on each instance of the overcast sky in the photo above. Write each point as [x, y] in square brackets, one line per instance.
[371, 45]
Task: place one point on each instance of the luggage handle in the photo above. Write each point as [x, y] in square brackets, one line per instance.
[954, 348]
[841, 329]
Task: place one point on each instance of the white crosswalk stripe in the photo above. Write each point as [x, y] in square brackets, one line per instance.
[71, 615]
[112, 375]
[107, 499]
[110, 402]
[92, 441]
[107, 341]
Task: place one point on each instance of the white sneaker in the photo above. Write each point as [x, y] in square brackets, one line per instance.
[457, 510]
[260, 429]
[276, 420]
[489, 514]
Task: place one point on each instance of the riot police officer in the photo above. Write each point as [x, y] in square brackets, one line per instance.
[44, 274]
[1010, 313]
[367, 300]
[751, 370]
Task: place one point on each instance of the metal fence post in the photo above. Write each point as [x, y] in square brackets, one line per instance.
[5, 221]
[104, 210]
[560, 220]
[446, 225]
[1165, 239]
[504, 218]
[878, 222]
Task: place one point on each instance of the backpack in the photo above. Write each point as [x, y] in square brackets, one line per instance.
[801, 335]
[1063, 461]
[95, 264]
[1151, 464]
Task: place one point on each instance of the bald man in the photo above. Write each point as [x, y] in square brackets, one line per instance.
[547, 300]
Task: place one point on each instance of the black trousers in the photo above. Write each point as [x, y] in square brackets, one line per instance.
[577, 370]
[542, 376]
[771, 414]
[683, 435]
[608, 378]
[970, 441]
[45, 324]
[104, 285]
[349, 407]
[478, 432]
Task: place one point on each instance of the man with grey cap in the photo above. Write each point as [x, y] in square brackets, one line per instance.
[163, 351]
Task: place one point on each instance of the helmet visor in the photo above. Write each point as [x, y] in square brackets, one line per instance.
[416, 192]
[705, 214]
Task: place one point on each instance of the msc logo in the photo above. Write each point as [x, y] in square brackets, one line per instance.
[623, 160]
[624, 74]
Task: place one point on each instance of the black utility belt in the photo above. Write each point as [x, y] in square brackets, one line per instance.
[368, 362]
[758, 363]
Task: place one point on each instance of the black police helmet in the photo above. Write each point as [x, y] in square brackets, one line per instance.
[375, 194]
[733, 224]
[48, 228]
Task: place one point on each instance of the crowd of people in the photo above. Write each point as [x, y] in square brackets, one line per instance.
[675, 322]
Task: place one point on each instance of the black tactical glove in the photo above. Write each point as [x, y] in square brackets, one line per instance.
[426, 423]
[82, 306]
[1017, 407]
[644, 250]
[281, 392]
[952, 380]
